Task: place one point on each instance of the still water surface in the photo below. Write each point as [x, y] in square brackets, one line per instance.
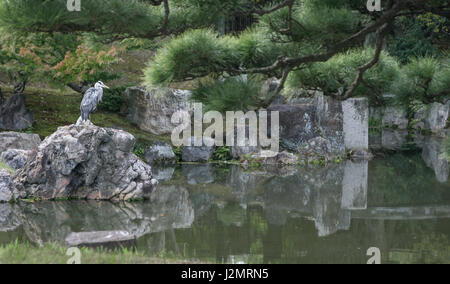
[399, 203]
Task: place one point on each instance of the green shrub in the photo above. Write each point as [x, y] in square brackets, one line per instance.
[231, 94]
[340, 71]
[422, 81]
[139, 150]
[113, 99]
[411, 43]
[222, 154]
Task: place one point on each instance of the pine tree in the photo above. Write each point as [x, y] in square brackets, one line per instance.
[312, 44]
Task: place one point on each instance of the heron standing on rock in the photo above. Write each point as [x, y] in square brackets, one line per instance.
[90, 101]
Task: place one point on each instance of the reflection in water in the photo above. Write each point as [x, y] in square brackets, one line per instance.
[295, 215]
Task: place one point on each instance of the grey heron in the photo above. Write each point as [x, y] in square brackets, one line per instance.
[91, 99]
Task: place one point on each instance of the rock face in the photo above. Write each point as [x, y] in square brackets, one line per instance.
[6, 186]
[242, 151]
[85, 162]
[197, 153]
[20, 141]
[297, 125]
[395, 117]
[15, 159]
[152, 110]
[356, 123]
[323, 127]
[160, 153]
[437, 115]
[14, 115]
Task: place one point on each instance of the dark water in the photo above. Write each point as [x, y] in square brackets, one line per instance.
[399, 203]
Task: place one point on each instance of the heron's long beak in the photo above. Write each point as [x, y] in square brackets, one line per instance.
[104, 86]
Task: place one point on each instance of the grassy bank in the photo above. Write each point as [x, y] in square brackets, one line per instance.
[55, 108]
[16, 253]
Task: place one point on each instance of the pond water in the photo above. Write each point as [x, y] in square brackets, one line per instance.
[398, 202]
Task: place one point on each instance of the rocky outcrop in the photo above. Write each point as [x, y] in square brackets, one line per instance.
[160, 153]
[14, 115]
[19, 141]
[86, 162]
[198, 153]
[15, 159]
[152, 110]
[6, 186]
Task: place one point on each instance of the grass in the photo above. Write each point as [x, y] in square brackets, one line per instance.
[55, 108]
[6, 167]
[52, 253]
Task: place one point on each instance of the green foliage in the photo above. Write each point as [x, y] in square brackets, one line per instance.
[424, 80]
[139, 149]
[178, 152]
[55, 58]
[412, 43]
[195, 54]
[222, 154]
[433, 249]
[315, 21]
[52, 253]
[113, 99]
[231, 94]
[340, 71]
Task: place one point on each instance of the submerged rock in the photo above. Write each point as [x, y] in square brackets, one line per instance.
[106, 239]
[160, 153]
[19, 141]
[198, 153]
[199, 174]
[86, 162]
[272, 158]
[14, 158]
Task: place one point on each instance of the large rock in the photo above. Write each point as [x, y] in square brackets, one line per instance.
[14, 158]
[272, 158]
[17, 140]
[356, 123]
[152, 110]
[6, 186]
[238, 152]
[86, 162]
[297, 124]
[197, 153]
[436, 118]
[160, 153]
[14, 115]
[395, 117]
[330, 120]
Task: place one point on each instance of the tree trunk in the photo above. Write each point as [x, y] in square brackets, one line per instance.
[79, 88]
[13, 113]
